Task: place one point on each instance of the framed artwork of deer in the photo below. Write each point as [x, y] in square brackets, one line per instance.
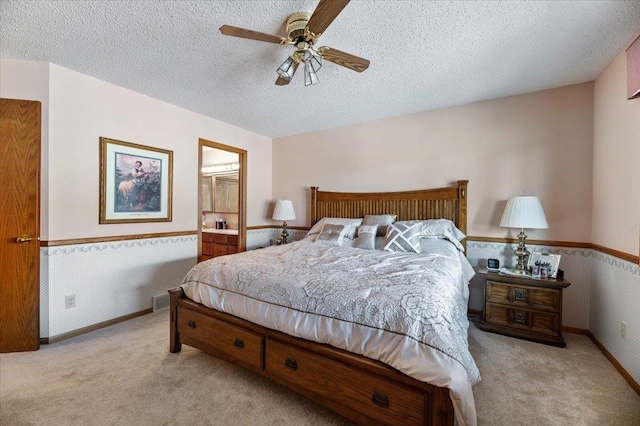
[136, 182]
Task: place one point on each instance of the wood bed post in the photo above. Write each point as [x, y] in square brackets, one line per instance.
[462, 209]
[442, 413]
[314, 205]
[174, 338]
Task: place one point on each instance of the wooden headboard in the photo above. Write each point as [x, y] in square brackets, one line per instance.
[440, 203]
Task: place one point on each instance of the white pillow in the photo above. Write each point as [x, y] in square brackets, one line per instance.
[351, 229]
[366, 238]
[332, 235]
[403, 237]
[438, 228]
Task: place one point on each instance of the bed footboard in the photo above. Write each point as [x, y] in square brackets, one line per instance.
[358, 388]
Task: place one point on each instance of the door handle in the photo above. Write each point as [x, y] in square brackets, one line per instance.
[24, 239]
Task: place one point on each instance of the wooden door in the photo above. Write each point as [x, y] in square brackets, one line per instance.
[20, 225]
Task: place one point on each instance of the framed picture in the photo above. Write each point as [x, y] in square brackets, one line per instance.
[136, 182]
[544, 265]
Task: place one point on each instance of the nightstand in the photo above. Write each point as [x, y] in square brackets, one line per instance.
[523, 307]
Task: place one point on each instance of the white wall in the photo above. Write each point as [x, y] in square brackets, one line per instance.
[84, 108]
[30, 81]
[77, 111]
[539, 142]
[616, 165]
[615, 292]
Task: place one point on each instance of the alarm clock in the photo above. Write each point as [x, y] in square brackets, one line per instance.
[493, 264]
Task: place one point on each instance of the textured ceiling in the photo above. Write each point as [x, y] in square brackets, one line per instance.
[424, 54]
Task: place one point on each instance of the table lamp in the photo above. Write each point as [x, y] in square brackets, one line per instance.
[284, 211]
[522, 212]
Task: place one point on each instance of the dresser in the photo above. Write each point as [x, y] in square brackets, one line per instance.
[523, 307]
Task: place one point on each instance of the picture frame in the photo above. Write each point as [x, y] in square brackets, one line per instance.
[136, 183]
[544, 265]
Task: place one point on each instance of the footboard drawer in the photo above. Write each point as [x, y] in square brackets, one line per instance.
[371, 396]
[242, 344]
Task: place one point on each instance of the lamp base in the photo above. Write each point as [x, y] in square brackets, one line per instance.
[284, 234]
[523, 255]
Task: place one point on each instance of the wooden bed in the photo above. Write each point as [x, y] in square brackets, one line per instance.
[363, 390]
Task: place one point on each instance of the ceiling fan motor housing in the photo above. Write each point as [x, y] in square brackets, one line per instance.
[296, 24]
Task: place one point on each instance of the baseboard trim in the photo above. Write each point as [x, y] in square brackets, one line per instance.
[94, 327]
[615, 363]
[575, 330]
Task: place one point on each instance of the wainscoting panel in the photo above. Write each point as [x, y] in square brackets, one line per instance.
[615, 297]
[108, 280]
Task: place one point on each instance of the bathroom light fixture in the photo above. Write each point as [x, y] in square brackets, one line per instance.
[218, 168]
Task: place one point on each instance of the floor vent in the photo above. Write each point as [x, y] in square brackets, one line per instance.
[160, 302]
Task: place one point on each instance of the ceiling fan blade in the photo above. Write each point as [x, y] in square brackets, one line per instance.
[326, 11]
[282, 81]
[232, 31]
[345, 59]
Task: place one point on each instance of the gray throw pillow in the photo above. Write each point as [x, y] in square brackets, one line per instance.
[403, 237]
[331, 235]
[366, 237]
[382, 220]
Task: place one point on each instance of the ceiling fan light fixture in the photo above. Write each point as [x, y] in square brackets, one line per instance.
[313, 61]
[303, 30]
[310, 76]
[287, 69]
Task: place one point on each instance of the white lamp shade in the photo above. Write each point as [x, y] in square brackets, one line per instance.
[284, 210]
[524, 212]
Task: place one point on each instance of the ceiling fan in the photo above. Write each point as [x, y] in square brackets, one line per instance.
[303, 31]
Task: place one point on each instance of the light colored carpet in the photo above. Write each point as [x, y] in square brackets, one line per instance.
[125, 375]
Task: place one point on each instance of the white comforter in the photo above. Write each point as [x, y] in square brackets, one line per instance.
[406, 310]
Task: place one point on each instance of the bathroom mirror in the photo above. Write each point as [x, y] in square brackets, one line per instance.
[206, 193]
[225, 193]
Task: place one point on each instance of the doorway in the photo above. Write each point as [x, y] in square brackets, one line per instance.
[222, 178]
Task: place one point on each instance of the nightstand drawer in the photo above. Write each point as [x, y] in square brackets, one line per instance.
[523, 296]
[523, 319]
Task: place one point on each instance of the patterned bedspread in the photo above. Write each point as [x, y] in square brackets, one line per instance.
[405, 309]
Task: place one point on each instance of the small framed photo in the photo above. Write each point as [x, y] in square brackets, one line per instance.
[544, 265]
[535, 271]
[136, 182]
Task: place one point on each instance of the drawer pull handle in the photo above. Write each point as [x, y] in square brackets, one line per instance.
[520, 317]
[191, 323]
[291, 364]
[380, 399]
[239, 343]
[520, 294]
